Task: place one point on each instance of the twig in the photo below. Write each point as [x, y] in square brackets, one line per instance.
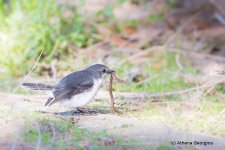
[179, 63]
[32, 69]
[16, 139]
[53, 134]
[113, 76]
[38, 146]
[220, 18]
[117, 79]
[110, 93]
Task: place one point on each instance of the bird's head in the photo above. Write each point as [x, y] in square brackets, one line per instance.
[99, 70]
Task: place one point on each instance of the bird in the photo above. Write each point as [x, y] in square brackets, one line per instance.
[77, 89]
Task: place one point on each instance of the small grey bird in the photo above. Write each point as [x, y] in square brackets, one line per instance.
[76, 89]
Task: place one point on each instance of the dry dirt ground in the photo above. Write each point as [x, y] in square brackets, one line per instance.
[124, 125]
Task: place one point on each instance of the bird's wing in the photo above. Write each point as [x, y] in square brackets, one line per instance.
[71, 85]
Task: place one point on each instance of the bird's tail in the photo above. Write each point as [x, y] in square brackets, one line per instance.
[49, 101]
[38, 86]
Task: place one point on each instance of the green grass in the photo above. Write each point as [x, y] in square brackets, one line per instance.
[159, 75]
[155, 18]
[30, 27]
[73, 135]
[32, 135]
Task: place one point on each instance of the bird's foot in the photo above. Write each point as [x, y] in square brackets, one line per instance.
[80, 110]
[89, 111]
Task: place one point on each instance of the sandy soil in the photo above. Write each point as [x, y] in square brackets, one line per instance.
[125, 125]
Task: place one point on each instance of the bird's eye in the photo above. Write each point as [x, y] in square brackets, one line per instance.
[104, 71]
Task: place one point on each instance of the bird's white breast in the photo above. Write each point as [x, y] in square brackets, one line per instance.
[84, 98]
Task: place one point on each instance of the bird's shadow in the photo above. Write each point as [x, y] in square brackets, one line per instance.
[85, 112]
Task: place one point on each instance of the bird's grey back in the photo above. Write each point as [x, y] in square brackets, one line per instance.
[73, 84]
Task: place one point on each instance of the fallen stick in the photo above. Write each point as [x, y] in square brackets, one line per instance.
[111, 94]
[113, 76]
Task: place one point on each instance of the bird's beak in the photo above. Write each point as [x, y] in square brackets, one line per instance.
[110, 71]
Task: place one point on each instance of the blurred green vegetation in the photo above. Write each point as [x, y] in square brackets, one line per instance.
[158, 75]
[29, 27]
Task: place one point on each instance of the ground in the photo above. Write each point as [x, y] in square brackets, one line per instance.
[135, 129]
